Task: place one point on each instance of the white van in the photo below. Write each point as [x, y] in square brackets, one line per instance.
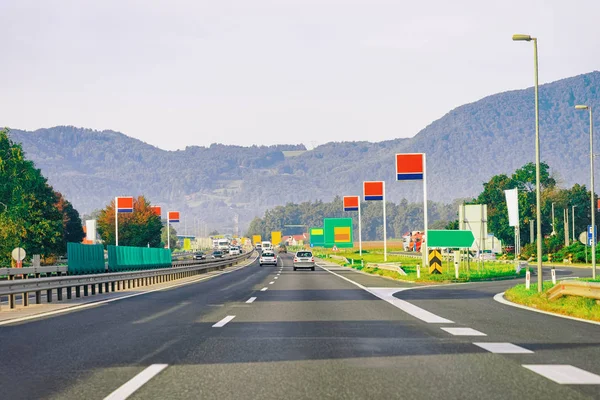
[267, 245]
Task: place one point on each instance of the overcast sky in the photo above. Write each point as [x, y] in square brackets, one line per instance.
[178, 73]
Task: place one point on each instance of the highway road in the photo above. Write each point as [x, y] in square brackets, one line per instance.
[275, 333]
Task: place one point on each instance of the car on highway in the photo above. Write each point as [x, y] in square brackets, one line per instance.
[234, 251]
[217, 254]
[304, 259]
[258, 246]
[268, 257]
[199, 255]
[282, 249]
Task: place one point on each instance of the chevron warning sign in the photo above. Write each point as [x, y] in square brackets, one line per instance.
[435, 262]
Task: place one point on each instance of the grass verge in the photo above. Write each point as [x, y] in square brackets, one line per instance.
[467, 273]
[573, 306]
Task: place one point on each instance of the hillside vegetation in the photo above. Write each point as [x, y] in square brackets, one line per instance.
[464, 149]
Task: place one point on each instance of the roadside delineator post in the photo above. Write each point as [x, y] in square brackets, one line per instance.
[527, 279]
[553, 272]
[418, 271]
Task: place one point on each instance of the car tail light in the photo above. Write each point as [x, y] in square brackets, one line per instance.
[312, 259]
[295, 259]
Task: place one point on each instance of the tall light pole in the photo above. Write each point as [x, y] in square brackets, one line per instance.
[592, 209]
[553, 227]
[538, 191]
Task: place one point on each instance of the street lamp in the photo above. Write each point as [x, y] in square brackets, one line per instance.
[592, 210]
[538, 191]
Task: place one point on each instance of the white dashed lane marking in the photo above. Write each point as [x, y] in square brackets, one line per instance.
[263, 289]
[564, 374]
[251, 300]
[503, 348]
[128, 388]
[224, 321]
[463, 332]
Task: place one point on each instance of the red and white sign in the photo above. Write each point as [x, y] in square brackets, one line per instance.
[373, 190]
[351, 203]
[157, 210]
[173, 216]
[124, 204]
[409, 166]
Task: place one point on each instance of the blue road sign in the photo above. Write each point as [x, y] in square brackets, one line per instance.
[589, 235]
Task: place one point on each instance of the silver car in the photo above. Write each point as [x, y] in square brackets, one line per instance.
[304, 259]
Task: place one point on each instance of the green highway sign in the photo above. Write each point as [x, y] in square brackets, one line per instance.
[446, 238]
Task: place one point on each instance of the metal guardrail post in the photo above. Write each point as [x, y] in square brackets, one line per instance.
[77, 291]
[25, 294]
[48, 296]
[11, 297]
[59, 294]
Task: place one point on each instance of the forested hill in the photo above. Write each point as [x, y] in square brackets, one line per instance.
[464, 148]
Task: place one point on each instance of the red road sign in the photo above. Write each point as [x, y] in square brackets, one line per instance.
[173, 216]
[373, 190]
[409, 166]
[156, 210]
[351, 203]
[125, 204]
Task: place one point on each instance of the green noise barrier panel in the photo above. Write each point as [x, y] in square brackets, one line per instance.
[125, 258]
[85, 258]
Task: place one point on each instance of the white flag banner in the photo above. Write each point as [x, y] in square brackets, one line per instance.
[512, 203]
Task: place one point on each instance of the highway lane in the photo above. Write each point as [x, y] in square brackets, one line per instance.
[285, 334]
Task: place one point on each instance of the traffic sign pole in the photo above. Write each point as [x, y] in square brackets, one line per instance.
[359, 229]
[425, 218]
[384, 227]
[116, 221]
[168, 233]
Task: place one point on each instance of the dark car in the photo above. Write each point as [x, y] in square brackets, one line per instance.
[217, 254]
[199, 255]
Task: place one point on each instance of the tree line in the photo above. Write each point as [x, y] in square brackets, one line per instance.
[32, 215]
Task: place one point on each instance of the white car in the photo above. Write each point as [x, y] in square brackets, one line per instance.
[234, 251]
[304, 259]
[268, 257]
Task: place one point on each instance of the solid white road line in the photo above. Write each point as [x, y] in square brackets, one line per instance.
[263, 289]
[503, 348]
[387, 294]
[224, 321]
[500, 299]
[136, 382]
[463, 332]
[251, 300]
[96, 303]
[564, 374]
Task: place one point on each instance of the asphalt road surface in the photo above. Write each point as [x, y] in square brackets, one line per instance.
[274, 333]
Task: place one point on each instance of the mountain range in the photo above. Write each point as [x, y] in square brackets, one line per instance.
[223, 183]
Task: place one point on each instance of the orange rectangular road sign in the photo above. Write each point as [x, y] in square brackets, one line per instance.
[373, 190]
[351, 203]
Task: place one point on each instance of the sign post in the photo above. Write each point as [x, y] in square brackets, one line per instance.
[122, 205]
[18, 254]
[375, 191]
[352, 203]
[172, 216]
[413, 167]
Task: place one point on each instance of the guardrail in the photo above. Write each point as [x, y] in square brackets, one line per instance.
[395, 267]
[575, 288]
[37, 271]
[86, 285]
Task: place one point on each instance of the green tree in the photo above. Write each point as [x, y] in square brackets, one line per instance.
[72, 227]
[173, 238]
[28, 215]
[140, 228]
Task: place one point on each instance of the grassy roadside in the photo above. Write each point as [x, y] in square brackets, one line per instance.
[467, 273]
[573, 306]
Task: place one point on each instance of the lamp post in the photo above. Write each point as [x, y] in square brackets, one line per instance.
[592, 209]
[538, 192]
